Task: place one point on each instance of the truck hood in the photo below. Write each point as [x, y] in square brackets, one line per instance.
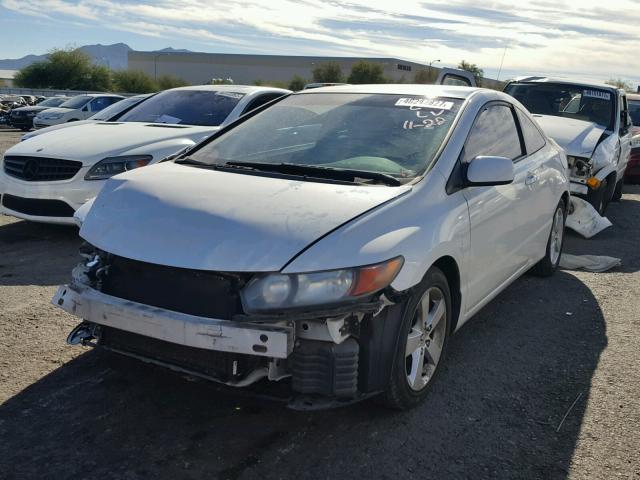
[91, 142]
[577, 137]
[188, 217]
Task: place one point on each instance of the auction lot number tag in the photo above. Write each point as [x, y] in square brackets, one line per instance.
[424, 103]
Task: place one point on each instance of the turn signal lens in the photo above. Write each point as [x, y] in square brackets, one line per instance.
[376, 277]
[594, 183]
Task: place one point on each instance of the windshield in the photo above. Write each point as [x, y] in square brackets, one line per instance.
[187, 107]
[569, 101]
[634, 111]
[52, 102]
[397, 135]
[76, 102]
[117, 108]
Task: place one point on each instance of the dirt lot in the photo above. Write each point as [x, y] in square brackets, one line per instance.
[500, 409]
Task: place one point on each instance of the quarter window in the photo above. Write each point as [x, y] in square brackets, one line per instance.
[533, 139]
[494, 134]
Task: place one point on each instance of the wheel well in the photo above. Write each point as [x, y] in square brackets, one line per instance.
[450, 269]
[565, 199]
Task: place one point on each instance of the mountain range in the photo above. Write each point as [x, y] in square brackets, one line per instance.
[113, 56]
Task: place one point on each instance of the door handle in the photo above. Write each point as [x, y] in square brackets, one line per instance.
[531, 179]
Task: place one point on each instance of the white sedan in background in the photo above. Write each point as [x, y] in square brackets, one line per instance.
[338, 237]
[76, 108]
[48, 177]
[109, 114]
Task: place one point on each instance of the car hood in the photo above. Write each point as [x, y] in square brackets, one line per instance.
[52, 128]
[188, 217]
[91, 142]
[33, 108]
[576, 137]
[58, 110]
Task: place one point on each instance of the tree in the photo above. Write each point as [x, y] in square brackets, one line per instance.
[366, 72]
[620, 83]
[477, 72]
[169, 81]
[328, 72]
[425, 76]
[297, 83]
[65, 69]
[134, 81]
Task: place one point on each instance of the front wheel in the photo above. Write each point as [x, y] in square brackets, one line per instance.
[422, 341]
[549, 264]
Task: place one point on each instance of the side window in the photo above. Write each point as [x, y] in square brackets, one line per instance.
[533, 139]
[494, 133]
[99, 103]
[260, 100]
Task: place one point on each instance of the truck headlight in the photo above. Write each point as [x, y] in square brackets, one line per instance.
[278, 291]
[114, 165]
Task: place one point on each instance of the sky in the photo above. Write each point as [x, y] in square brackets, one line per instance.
[589, 39]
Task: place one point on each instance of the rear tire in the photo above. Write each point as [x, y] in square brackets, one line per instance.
[422, 342]
[549, 264]
[617, 193]
[598, 198]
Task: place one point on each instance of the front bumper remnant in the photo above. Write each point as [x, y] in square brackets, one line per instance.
[274, 341]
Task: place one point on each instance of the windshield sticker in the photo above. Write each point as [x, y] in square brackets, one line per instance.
[424, 103]
[164, 118]
[596, 94]
[230, 94]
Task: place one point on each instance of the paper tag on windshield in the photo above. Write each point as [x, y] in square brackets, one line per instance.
[596, 94]
[424, 103]
[164, 118]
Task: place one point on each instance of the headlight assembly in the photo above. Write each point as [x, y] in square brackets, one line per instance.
[114, 165]
[278, 291]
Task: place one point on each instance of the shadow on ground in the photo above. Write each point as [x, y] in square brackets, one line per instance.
[496, 411]
[36, 253]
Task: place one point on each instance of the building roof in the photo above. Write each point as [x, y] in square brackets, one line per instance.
[8, 74]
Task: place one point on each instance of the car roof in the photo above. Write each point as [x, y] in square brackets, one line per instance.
[564, 81]
[246, 89]
[398, 89]
[633, 96]
[97, 95]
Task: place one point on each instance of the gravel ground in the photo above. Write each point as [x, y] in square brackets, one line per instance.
[543, 383]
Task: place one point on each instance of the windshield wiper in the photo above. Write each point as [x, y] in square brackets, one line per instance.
[192, 161]
[318, 171]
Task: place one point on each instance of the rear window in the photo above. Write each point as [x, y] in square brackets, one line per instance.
[185, 107]
[569, 101]
[76, 102]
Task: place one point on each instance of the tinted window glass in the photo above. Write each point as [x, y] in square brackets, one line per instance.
[117, 108]
[76, 102]
[493, 134]
[398, 135]
[102, 102]
[533, 139]
[186, 107]
[261, 100]
[634, 111]
[571, 101]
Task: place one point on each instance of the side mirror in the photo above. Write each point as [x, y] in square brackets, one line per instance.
[489, 171]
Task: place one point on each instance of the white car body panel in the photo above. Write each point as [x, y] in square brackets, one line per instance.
[90, 142]
[578, 137]
[493, 234]
[207, 228]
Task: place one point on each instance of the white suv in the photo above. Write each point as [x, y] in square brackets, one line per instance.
[77, 108]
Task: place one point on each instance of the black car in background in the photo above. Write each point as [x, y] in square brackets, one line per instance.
[22, 117]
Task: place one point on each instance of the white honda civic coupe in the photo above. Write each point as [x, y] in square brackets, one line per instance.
[335, 239]
[47, 178]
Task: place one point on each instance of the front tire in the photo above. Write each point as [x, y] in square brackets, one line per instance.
[549, 264]
[617, 193]
[422, 342]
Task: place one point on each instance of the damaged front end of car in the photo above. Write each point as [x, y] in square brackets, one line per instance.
[328, 335]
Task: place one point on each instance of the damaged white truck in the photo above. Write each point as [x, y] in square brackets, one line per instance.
[332, 241]
[591, 122]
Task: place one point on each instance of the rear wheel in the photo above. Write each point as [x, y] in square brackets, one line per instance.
[599, 198]
[617, 193]
[549, 264]
[422, 341]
